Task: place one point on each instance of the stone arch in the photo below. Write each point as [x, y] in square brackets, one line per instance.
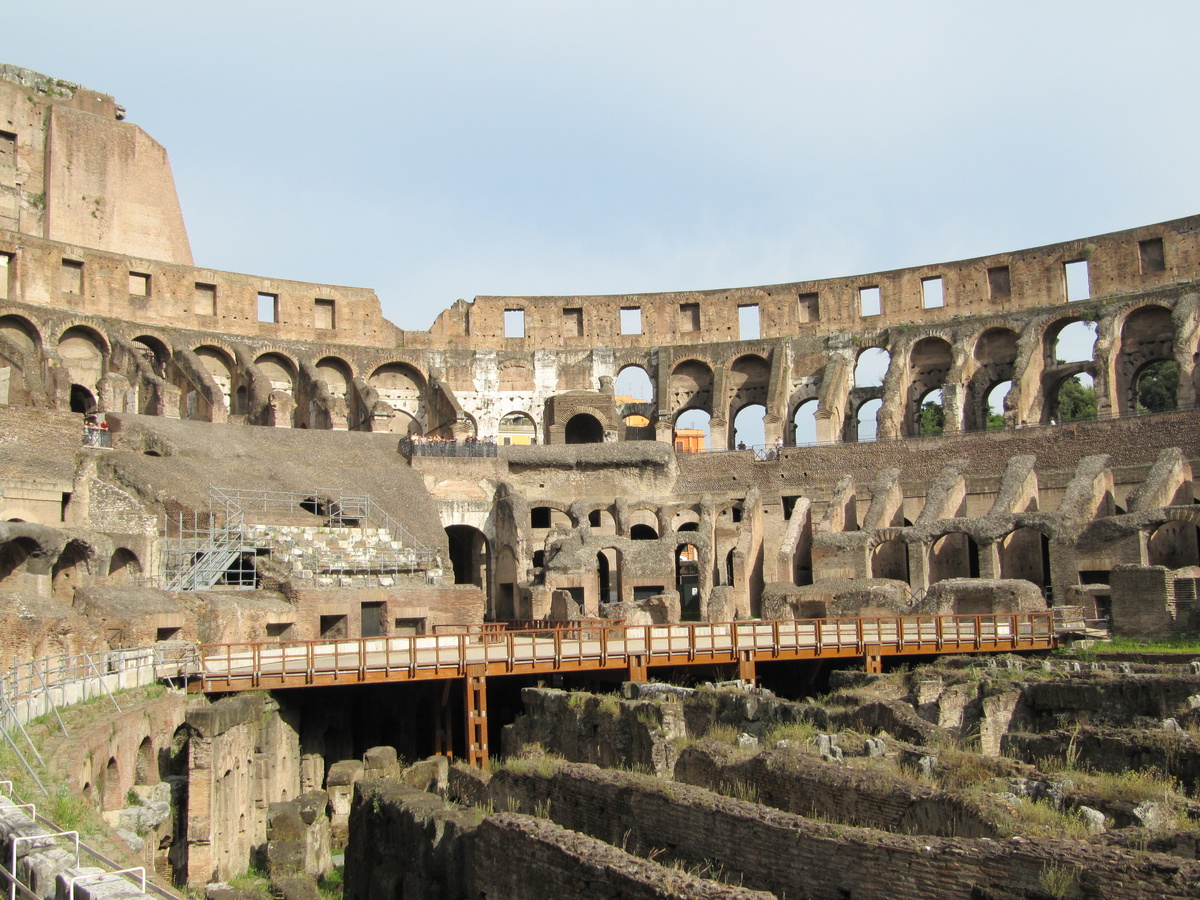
[113, 797]
[84, 353]
[154, 351]
[889, 559]
[634, 381]
[14, 557]
[68, 570]
[280, 370]
[219, 364]
[688, 516]
[583, 428]
[866, 419]
[1068, 340]
[953, 555]
[994, 356]
[515, 375]
[517, 427]
[470, 555]
[749, 427]
[20, 334]
[20, 352]
[549, 513]
[930, 361]
[146, 769]
[124, 567]
[82, 400]
[643, 524]
[336, 374]
[691, 430]
[691, 386]
[1025, 554]
[803, 420]
[602, 521]
[402, 387]
[1147, 336]
[1173, 544]
[687, 581]
[871, 366]
[748, 379]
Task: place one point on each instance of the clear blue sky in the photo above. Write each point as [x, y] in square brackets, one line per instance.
[441, 150]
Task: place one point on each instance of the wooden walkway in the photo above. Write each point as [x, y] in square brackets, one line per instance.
[477, 653]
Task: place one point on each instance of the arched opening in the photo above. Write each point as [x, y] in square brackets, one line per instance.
[14, 555]
[517, 428]
[871, 367]
[153, 352]
[608, 571]
[1174, 545]
[1074, 399]
[994, 405]
[335, 375]
[1156, 386]
[868, 420]
[403, 423]
[684, 518]
[692, 431]
[584, 428]
[146, 769]
[804, 423]
[67, 573]
[83, 353]
[889, 559]
[280, 371]
[124, 568]
[548, 517]
[1074, 342]
[82, 400]
[749, 430]
[402, 388]
[747, 381]
[633, 384]
[954, 555]
[1025, 553]
[642, 532]
[219, 366]
[929, 363]
[687, 581]
[114, 797]
[691, 385]
[602, 521]
[469, 555]
[931, 420]
[729, 567]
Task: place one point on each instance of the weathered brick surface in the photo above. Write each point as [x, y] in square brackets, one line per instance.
[789, 855]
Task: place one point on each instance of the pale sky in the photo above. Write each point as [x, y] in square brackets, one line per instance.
[441, 150]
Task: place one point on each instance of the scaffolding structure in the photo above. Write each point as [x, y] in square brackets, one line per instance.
[218, 548]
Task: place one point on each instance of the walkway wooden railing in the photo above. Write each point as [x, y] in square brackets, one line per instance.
[591, 646]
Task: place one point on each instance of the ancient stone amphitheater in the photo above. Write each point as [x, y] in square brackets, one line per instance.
[196, 462]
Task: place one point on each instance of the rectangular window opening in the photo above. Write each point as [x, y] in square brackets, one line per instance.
[809, 307]
[999, 284]
[572, 322]
[869, 301]
[62, 509]
[139, 284]
[324, 314]
[514, 323]
[280, 630]
[72, 276]
[8, 150]
[932, 293]
[334, 626]
[631, 320]
[268, 307]
[204, 299]
[748, 325]
[6, 268]
[689, 317]
[167, 634]
[1152, 256]
[1075, 274]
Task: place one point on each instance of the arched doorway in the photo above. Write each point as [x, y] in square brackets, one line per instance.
[1174, 545]
[954, 555]
[68, 570]
[584, 428]
[124, 567]
[82, 400]
[608, 572]
[1025, 553]
[889, 559]
[470, 555]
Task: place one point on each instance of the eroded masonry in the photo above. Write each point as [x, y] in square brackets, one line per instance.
[197, 456]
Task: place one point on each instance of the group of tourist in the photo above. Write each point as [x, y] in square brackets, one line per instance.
[422, 445]
[95, 432]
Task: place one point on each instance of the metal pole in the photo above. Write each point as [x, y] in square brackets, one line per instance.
[49, 700]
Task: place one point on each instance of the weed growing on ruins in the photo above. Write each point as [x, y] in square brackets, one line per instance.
[330, 885]
[541, 809]
[721, 734]
[609, 705]
[1033, 818]
[795, 733]
[1058, 880]
[740, 790]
